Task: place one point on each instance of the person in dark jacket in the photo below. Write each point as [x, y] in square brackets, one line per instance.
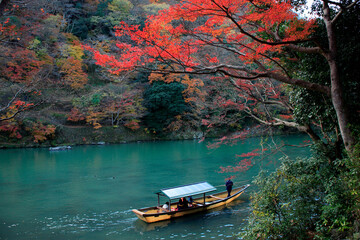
[229, 185]
[183, 203]
[190, 201]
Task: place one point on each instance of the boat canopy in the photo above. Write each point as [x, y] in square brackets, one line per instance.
[188, 190]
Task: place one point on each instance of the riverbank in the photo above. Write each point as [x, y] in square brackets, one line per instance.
[83, 135]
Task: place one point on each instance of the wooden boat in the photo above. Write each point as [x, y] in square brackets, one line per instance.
[200, 204]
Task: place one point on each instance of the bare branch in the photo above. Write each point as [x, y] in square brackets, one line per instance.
[12, 100]
[342, 10]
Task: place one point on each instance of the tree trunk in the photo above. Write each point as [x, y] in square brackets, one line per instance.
[337, 96]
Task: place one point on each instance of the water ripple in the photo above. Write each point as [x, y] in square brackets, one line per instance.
[90, 222]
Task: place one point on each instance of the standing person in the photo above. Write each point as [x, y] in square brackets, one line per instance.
[229, 185]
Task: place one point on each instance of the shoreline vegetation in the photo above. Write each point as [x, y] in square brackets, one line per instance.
[83, 135]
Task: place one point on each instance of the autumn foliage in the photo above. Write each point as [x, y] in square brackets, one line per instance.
[75, 115]
[22, 66]
[230, 22]
[41, 132]
[11, 128]
[239, 39]
[240, 42]
[74, 75]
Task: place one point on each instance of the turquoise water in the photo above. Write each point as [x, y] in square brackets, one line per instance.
[88, 192]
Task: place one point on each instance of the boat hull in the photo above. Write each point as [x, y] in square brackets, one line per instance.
[154, 214]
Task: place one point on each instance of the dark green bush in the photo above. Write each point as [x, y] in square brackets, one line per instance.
[305, 199]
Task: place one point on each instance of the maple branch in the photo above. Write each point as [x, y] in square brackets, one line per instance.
[335, 3]
[305, 49]
[277, 123]
[221, 44]
[281, 78]
[261, 100]
[12, 100]
[301, 83]
[241, 29]
[221, 68]
[304, 128]
[251, 49]
[258, 7]
[295, 47]
[20, 110]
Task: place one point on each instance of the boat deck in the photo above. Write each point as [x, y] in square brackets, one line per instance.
[156, 214]
[198, 202]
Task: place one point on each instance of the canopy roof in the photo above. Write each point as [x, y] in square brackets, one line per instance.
[188, 190]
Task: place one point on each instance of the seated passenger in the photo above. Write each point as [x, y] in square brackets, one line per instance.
[186, 203]
[183, 203]
[180, 204]
[190, 201]
[166, 206]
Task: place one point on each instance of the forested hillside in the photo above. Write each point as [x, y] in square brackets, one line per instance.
[87, 71]
[52, 92]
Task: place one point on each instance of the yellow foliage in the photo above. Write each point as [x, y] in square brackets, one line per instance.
[93, 2]
[71, 38]
[73, 47]
[105, 46]
[155, 7]
[120, 6]
[74, 74]
[192, 91]
[93, 119]
[75, 51]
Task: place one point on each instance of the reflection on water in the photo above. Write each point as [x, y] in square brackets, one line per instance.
[88, 192]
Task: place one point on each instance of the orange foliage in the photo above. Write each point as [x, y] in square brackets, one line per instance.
[127, 109]
[93, 119]
[192, 90]
[7, 30]
[22, 66]
[175, 125]
[74, 74]
[41, 132]
[287, 117]
[236, 25]
[75, 115]
[10, 127]
[132, 124]
[15, 107]
[240, 40]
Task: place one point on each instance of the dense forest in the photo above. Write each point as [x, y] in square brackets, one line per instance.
[52, 92]
[140, 70]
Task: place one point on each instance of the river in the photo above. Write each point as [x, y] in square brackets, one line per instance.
[88, 192]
